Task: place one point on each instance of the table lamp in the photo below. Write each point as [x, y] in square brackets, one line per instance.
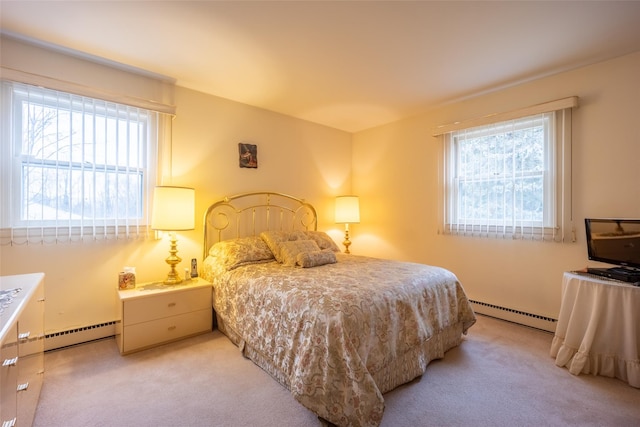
[173, 210]
[347, 212]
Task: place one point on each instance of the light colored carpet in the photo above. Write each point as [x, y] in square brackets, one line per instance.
[501, 375]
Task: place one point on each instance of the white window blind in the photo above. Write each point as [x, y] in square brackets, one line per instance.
[509, 178]
[75, 167]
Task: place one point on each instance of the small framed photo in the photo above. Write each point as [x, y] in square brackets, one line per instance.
[126, 280]
[248, 155]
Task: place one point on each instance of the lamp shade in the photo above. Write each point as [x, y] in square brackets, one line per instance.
[173, 208]
[347, 210]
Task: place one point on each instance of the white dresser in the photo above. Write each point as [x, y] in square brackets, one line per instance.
[21, 347]
[154, 313]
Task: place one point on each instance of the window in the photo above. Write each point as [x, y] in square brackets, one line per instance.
[509, 178]
[78, 166]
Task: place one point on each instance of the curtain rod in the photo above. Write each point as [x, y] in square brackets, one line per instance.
[546, 107]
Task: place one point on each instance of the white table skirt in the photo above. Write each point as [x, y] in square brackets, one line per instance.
[598, 330]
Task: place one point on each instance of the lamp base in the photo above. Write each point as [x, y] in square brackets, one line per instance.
[346, 241]
[173, 278]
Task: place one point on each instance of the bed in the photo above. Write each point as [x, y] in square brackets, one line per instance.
[337, 330]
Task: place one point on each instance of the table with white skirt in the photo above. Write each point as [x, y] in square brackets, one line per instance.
[598, 330]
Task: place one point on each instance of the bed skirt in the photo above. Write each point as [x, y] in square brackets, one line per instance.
[406, 368]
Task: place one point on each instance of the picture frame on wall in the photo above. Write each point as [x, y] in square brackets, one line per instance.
[248, 155]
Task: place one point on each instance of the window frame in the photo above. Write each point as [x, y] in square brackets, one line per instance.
[456, 180]
[14, 228]
[557, 222]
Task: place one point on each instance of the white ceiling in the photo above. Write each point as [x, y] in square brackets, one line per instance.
[350, 65]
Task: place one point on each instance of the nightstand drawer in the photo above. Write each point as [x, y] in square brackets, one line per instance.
[165, 305]
[148, 334]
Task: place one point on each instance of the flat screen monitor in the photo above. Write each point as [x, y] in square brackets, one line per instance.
[614, 241]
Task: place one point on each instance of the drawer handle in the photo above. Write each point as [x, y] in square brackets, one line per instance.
[171, 304]
[171, 328]
[10, 362]
[23, 387]
[24, 336]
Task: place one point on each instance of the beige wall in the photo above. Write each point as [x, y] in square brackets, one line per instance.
[395, 171]
[295, 157]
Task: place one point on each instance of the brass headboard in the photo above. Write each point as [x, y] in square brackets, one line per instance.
[249, 214]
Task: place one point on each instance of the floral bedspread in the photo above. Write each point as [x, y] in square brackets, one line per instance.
[340, 335]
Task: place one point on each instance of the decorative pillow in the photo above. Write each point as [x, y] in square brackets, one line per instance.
[244, 250]
[322, 239]
[316, 258]
[289, 250]
[273, 239]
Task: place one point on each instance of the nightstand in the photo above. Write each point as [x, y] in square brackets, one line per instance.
[154, 313]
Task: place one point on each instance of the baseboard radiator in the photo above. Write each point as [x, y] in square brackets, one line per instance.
[75, 336]
[528, 319]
